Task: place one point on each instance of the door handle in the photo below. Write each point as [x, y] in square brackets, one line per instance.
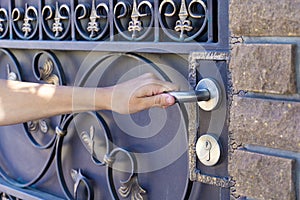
[207, 94]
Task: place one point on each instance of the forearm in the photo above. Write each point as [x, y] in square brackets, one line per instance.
[22, 101]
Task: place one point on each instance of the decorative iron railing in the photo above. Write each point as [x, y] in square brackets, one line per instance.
[121, 20]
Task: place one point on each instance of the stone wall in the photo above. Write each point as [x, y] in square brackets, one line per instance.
[265, 110]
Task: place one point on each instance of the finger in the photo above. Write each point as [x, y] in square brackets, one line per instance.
[156, 88]
[150, 78]
[168, 86]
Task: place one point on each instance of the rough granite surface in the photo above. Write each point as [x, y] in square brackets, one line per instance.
[262, 176]
[268, 123]
[264, 18]
[265, 68]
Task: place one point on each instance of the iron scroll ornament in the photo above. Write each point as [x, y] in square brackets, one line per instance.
[49, 72]
[3, 23]
[25, 22]
[97, 16]
[135, 29]
[129, 186]
[195, 12]
[56, 21]
[13, 67]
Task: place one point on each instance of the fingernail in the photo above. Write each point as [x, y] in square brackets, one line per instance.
[169, 99]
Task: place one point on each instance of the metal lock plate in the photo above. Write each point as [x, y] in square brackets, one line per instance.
[208, 150]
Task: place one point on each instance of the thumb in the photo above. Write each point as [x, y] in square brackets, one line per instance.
[162, 100]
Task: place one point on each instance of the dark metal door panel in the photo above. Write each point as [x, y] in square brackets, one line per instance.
[157, 139]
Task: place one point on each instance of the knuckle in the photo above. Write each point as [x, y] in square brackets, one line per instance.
[158, 100]
[150, 75]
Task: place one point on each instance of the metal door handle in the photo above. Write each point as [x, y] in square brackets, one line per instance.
[207, 93]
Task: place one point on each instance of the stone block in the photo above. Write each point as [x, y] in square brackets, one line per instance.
[268, 123]
[262, 176]
[264, 18]
[267, 68]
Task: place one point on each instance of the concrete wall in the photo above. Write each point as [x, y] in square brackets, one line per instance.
[265, 111]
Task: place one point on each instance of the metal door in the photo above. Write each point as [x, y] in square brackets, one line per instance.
[105, 155]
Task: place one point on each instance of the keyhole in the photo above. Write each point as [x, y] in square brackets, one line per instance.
[208, 148]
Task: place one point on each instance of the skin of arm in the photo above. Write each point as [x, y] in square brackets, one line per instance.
[25, 101]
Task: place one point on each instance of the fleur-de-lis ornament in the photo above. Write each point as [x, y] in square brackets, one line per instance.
[135, 25]
[195, 9]
[57, 25]
[93, 25]
[27, 27]
[183, 24]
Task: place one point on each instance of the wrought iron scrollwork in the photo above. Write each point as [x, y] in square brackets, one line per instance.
[46, 73]
[92, 24]
[34, 126]
[12, 67]
[25, 22]
[46, 68]
[10, 74]
[4, 196]
[130, 186]
[4, 21]
[183, 24]
[39, 175]
[130, 20]
[195, 12]
[88, 140]
[137, 29]
[45, 65]
[78, 179]
[56, 21]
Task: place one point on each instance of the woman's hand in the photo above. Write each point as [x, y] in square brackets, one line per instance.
[141, 93]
